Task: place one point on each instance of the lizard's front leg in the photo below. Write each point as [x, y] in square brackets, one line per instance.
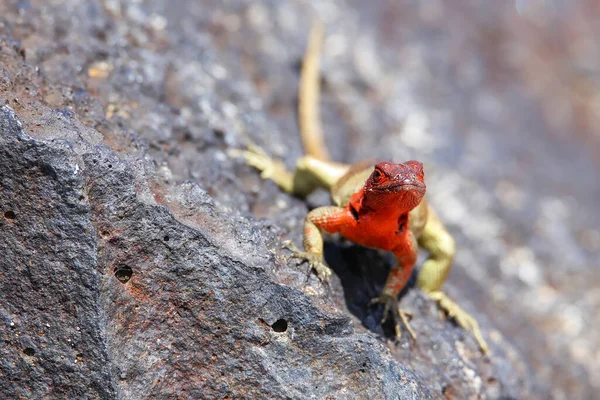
[330, 219]
[406, 255]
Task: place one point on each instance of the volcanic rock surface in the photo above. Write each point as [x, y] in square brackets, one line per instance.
[139, 260]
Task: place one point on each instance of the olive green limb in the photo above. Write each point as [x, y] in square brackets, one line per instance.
[462, 318]
[440, 245]
[314, 260]
[269, 168]
[326, 218]
[437, 241]
[325, 173]
[309, 174]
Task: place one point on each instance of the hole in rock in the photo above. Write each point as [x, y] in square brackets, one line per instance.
[123, 273]
[29, 351]
[280, 325]
[9, 215]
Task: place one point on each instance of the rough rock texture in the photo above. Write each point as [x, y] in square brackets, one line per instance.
[192, 321]
[133, 260]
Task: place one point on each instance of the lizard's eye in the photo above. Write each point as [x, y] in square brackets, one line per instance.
[376, 176]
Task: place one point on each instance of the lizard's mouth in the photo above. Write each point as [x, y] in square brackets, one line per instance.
[403, 186]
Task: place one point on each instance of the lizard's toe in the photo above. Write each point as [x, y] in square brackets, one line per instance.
[399, 316]
[256, 157]
[322, 270]
[462, 318]
[314, 261]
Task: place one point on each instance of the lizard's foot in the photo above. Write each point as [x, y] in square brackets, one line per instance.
[256, 157]
[462, 318]
[269, 168]
[390, 306]
[315, 261]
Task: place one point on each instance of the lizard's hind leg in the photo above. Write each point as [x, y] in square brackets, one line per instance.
[270, 168]
[309, 173]
[440, 245]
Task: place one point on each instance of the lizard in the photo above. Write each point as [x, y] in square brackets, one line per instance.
[380, 205]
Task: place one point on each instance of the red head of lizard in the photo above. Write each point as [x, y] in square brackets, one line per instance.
[400, 185]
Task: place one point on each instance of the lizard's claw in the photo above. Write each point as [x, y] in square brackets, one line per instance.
[315, 261]
[270, 168]
[257, 158]
[390, 307]
[462, 318]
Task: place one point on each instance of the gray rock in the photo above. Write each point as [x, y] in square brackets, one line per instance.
[187, 317]
[138, 260]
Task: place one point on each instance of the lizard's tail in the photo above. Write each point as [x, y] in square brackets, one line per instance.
[309, 120]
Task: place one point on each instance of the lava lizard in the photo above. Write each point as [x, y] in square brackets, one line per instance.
[378, 205]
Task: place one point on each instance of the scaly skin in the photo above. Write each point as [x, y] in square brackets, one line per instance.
[378, 205]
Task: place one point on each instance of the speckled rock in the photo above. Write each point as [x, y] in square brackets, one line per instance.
[139, 260]
[105, 293]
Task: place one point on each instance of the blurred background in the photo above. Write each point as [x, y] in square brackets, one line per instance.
[499, 99]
